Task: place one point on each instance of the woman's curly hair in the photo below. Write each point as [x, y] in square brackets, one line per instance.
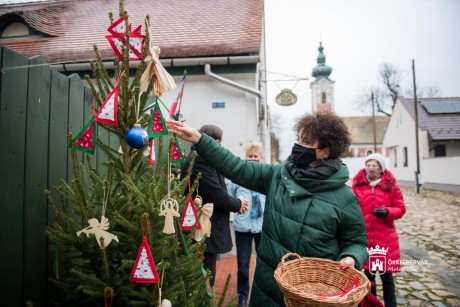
[328, 128]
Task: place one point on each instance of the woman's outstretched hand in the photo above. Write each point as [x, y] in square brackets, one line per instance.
[183, 131]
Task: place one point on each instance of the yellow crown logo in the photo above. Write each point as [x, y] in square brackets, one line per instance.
[377, 250]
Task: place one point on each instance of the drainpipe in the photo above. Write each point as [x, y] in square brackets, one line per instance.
[264, 136]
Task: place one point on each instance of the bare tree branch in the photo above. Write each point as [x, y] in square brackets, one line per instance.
[381, 101]
[391, 76]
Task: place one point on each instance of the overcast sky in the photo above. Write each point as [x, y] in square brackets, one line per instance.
[357, 36]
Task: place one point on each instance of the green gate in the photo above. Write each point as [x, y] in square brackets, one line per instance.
[38, 107]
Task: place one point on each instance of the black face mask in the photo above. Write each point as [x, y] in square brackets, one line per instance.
[302, 156]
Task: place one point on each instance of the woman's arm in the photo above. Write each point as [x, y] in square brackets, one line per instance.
[251, 175]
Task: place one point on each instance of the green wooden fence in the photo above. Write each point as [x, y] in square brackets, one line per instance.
[39, 107]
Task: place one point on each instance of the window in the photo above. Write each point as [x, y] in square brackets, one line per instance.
[15, 29]
[440, 151]
[406, 162]
[323, 97]
[395, 157]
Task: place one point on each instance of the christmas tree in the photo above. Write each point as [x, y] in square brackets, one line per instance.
[117, 237]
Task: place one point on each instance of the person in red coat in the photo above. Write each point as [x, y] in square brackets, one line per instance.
[381, 202]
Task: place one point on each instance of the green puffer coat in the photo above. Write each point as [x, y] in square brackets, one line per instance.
[314, 218]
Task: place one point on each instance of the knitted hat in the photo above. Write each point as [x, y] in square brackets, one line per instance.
[379, 158]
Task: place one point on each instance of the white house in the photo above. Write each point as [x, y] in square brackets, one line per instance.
[438, 157]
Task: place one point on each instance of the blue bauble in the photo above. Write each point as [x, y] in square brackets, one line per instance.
[137, 137]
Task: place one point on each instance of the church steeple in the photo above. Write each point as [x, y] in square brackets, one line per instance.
[321, 70]
[322, 89]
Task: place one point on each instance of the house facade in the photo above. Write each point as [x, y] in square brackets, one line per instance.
[220, 46]
[438, 156]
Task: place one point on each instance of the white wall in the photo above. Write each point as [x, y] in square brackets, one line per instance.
[239, 118]
[443, 170]
[400, 134]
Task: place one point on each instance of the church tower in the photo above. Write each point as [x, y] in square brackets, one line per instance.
[322, 88]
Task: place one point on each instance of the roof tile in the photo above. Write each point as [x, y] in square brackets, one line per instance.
[182, 28]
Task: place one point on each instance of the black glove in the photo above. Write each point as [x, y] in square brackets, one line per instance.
[380, 212]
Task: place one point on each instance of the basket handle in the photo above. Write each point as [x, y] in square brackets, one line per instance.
[295, 255]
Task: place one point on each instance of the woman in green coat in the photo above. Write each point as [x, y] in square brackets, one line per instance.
[309, 209]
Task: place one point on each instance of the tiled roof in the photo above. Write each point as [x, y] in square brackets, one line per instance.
[182, 28]
[440, 126]
[362, 128]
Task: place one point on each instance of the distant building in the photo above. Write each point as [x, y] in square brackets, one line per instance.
[364, 140]
[322, 88]
[367, 134]
[439, 142]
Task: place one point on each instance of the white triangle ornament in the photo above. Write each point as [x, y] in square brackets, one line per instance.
[108, 112]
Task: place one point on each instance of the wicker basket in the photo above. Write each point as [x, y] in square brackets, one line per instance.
[303, 281]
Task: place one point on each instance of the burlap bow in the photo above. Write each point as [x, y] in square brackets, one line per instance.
[205, 213]
[163, 81]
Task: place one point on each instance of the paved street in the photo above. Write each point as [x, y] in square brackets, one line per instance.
[429, 236]
[430, 244]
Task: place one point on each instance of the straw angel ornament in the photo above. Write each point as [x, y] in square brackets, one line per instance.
[163, 81]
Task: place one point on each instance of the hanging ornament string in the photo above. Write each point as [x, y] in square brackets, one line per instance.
[145, 230]
[169, 206]
[105, 198]
[160, 285]
[169, 175]
[138, 106]
[119, 77]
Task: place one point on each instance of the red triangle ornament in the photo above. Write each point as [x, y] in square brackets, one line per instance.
[209, 289]
[85, 140]
[108, 111]
[176, 153]
[136, 45]
[144, 270]
[189, 216]
[152, 152]
[118, 43]
[137, 31]
[118, 28]
[157, 126]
